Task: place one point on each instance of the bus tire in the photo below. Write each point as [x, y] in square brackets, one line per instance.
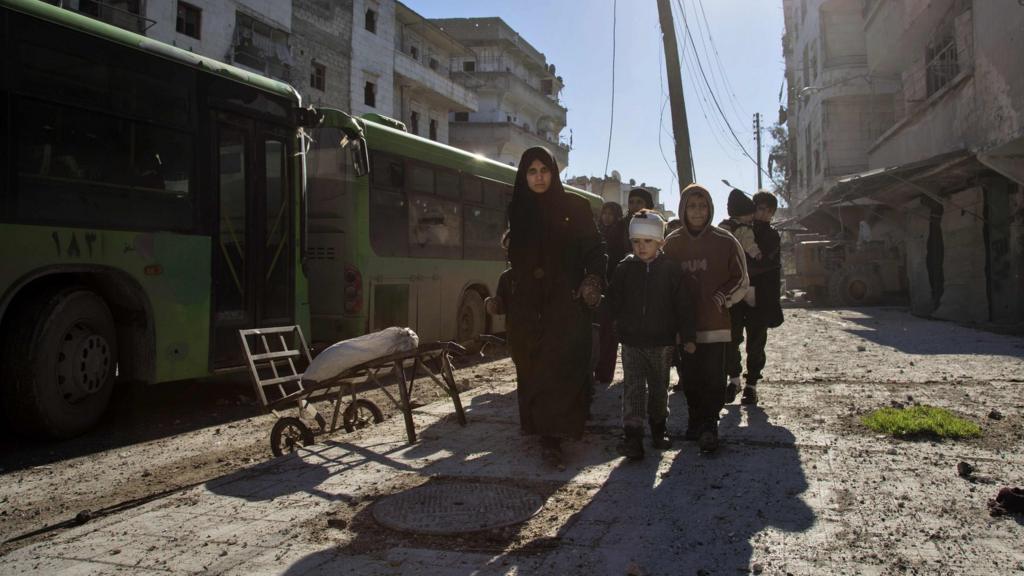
[472, 319]
[361, 413]
[59, 363]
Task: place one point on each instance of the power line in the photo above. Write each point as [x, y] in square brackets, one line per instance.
[661, 117]
[611, 121]
[718, 60]
[713, 121]
[714, 98]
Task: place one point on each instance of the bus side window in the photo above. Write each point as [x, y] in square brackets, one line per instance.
[472, 189]
[496, 195]
[448, 184]
[435, 224]
[388, 207]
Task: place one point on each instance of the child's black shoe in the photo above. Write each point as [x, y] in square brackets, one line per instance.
[708, 441]
[632, 446]
[749, 396]
[659, 435]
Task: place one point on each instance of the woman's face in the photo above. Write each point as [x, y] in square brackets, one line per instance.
[607, 217]
[538, 177]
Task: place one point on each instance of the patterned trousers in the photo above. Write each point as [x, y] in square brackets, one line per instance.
[645, 385]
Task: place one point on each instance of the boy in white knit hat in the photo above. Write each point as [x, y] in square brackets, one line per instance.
[651, 306]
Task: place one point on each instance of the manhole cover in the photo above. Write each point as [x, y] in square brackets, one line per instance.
[456, 507]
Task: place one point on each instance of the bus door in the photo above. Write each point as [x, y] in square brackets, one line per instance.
[253, 254]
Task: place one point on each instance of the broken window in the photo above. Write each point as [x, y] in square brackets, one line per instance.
[371, 20]
[317, 75]
[189, 18]
[469, 66]
[261, 47]
[941, 63]
[370, 94]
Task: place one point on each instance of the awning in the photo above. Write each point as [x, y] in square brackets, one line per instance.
[896, 185]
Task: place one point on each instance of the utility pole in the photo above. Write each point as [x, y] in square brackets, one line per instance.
[757, 136]
[680, 129]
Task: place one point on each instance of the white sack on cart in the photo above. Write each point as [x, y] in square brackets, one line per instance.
[341, 356]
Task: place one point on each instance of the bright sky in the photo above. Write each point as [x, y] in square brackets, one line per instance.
[576, 36]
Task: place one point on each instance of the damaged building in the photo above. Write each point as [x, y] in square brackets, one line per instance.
[906, 123]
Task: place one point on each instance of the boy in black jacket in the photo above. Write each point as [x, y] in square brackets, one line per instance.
[651, 305]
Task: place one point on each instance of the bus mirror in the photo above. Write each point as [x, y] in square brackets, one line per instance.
[360, 156]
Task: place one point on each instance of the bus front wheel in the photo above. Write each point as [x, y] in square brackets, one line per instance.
[59, 364]
[472, 321]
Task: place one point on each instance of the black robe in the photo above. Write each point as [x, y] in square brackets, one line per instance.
[554, 244]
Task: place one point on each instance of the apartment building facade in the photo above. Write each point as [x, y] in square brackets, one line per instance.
[402, 68]
[915, 141]
[518, 92]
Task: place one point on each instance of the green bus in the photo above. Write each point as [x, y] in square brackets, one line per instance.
[416, 244]
[152, 205]
[155, 201]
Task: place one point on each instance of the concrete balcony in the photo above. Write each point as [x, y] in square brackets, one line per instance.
[502, 141]
[519, 90]
[457, 96]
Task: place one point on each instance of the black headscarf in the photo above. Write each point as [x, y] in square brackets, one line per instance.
[530, 239]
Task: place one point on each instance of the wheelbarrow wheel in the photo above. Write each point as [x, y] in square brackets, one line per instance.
[361, 413]
[288, 434]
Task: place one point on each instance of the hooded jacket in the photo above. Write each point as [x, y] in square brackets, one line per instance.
[714, 269]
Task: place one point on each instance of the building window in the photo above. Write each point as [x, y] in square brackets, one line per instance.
[370, 94]
[189, 18]
[942, 64]
[817, 161]
[469, 66]
[547, 86]
[371, 20]
[317, 75]
[261, 47]
[414, 123]
[462, 116]
[434, 64]
[433, 129]
[414, 51]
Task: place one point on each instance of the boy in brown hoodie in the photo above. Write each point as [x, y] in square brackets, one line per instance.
[715, 271]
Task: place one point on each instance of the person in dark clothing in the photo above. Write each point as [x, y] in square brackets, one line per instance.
[765, 281]
[714, 269]
[651, 306]
[740, 224]
[612, 227]
[558, 266]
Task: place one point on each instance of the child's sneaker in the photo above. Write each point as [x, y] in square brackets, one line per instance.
[632, 445]
[749, 396]
[659, 435]
[708, 441]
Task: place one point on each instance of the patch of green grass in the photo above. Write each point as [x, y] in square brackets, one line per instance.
[920, 421]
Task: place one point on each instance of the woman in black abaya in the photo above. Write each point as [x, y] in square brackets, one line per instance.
[558, 263]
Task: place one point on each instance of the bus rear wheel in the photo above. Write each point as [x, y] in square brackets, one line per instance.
[471, 320]
[59, 364]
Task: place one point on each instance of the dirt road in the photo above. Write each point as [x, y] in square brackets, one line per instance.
[153, 441]
[843, 499]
